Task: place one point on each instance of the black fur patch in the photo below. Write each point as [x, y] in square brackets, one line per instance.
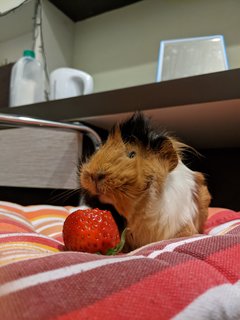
[137, 129]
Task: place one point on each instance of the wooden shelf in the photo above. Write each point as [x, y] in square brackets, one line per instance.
[202, 110]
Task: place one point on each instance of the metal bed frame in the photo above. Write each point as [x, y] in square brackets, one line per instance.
[25, 121]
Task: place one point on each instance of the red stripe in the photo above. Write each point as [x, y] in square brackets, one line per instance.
[159, 296]
[200, 249]
[33, 238]
[58, 237]
[227, 262]
[220, 218]
[24, 268]
[157, 292]
[4, 223]
[235, 230]
[205, 247]
[164, 294]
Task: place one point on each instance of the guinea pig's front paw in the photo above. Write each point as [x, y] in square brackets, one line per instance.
[128, 246]
[187, 231]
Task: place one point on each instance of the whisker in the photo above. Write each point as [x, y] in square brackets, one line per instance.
[64, 195]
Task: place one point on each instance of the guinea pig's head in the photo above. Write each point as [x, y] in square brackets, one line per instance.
[133, 159]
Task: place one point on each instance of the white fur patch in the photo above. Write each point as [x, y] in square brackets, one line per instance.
[176, 206]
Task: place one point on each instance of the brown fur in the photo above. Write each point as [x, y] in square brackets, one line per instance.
[122, 181]
[133, 185]
[203, 199]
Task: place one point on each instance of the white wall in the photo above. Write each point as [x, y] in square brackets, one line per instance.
[16, 35]
[120, 48]
[15, 32]
[12, 49]
[58, 33]
[7, 5]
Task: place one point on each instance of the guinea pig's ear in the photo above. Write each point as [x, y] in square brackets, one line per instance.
[164, 146]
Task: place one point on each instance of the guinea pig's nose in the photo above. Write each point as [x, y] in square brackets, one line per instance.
[98, 176]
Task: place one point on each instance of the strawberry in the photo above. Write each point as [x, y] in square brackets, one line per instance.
[93, 231]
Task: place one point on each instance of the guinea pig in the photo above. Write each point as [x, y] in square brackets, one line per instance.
[139, 170]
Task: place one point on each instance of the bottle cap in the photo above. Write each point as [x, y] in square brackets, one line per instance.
[29, 53]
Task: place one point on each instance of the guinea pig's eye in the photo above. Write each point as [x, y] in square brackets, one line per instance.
[131, 154]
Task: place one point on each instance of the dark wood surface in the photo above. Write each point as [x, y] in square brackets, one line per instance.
[5, 72]
[82, 9]
[221, 169]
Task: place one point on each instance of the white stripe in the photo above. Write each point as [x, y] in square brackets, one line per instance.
[52, 235]
[31, 208]
[61, 273]
[221, 302]
[40, 207]
[7, 250]
[49, 226]
[27, 246]
[170, 247]
[43, 220]
[23, 256]
[223, 226]
[11, 204]
[22, 234]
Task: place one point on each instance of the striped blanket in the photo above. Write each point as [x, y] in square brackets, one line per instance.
[187, 278]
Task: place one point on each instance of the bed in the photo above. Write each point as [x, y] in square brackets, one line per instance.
[186, 278]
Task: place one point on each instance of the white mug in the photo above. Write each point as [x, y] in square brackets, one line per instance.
[68, 82]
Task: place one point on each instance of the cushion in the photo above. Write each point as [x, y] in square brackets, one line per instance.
[187, 278]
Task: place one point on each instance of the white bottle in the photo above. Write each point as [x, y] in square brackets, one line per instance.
[27, 81]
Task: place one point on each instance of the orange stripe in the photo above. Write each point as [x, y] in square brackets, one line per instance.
[31, 244]
[9, 228]
[27, 257]
[212, 211]
[12, 209]
[50, 230]
[33, 216]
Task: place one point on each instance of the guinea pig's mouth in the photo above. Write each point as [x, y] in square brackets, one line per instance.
[105, 188]
[93, 182]
[105, 198]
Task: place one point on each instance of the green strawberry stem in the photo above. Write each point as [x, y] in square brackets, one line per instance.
[118, 248]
